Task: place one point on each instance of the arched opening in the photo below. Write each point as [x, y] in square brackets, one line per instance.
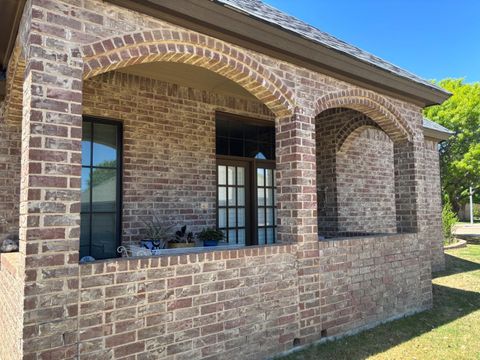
[190, 143]
[361, 175]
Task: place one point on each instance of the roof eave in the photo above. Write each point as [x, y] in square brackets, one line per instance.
[436, 134]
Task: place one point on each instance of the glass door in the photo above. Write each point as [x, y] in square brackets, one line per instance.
[232, 201]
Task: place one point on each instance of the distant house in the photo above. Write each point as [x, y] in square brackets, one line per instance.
[309, 154]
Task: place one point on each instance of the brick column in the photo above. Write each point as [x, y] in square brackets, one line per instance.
[410, 205]
[50, 190]
[406, 186]
[297, 212]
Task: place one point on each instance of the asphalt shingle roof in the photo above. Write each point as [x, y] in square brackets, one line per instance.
[264, 12]
[429, 124]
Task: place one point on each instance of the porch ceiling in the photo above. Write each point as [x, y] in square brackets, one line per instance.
[189, 75]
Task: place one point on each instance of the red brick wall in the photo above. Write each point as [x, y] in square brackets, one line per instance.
[230, 304]
[367, 280]
[433, 203]
[169, 146]
[365, 183]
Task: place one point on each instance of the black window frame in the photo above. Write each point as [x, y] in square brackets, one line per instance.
[119, 179]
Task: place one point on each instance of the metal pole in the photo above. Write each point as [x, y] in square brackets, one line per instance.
[471, 205]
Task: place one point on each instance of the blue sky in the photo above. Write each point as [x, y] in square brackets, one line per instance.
[434, 39]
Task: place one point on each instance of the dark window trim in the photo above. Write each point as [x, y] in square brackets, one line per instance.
[119, 168]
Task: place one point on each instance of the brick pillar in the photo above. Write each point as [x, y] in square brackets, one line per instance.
[50, 190]
[297, 212]
[406, 187]
[410, 205]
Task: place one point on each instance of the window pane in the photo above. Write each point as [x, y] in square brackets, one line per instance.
[241, 196]
[236, 129]
[222, 218]
[104, 243]
[269, 177]
[240, 175]
[231, 196]
[270, 236]
[232, 236]
[86, 142]
[221, 128]
[231, 175]
[261, 236]
[261, 217]
[241, 237]
[222, 146]
[222, 196]
[222, 175]
[261, 197]
[84, 235]
[251, 149]
[269, 197]
[104, 145]
[236, 148]
[260, 177]
[241, 217]
[232, 217]
[104, 192]
[269, 217]
[85, 188]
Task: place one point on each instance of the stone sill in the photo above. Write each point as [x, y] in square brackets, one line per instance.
[218, 252]
[10, 262]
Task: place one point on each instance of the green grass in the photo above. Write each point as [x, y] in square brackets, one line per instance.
[450, 330]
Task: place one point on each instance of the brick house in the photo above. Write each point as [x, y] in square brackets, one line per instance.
[311, 155]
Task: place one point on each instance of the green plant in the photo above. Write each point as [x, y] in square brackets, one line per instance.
[210, 234]
[476, 211]
[157, 232]
[183, 236]
[449, 218]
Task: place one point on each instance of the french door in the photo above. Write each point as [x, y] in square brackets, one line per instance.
[246, 211]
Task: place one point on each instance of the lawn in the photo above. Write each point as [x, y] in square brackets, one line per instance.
[450, 330]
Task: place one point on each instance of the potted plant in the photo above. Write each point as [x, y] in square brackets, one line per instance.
[183, 239]
[210, 236]
[157, 235]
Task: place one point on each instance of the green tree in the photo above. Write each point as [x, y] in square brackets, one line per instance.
[460, 155]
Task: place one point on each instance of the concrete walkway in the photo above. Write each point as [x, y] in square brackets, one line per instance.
[467, 230]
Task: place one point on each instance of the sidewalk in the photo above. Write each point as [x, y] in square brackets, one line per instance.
[466, 230]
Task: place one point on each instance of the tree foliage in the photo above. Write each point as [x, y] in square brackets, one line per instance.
[460, 155]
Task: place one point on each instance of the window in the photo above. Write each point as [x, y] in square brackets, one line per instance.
[100, 188]
[246, 210]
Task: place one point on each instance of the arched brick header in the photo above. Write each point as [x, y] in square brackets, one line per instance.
[344, 133]
[374, 106]
[193, 49]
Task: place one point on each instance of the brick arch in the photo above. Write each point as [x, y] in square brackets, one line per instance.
[193, 49]
[350, 127]
[376, 107]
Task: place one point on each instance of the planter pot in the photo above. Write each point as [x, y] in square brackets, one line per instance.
[150, 245]
[210, 242]
[180, 245]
